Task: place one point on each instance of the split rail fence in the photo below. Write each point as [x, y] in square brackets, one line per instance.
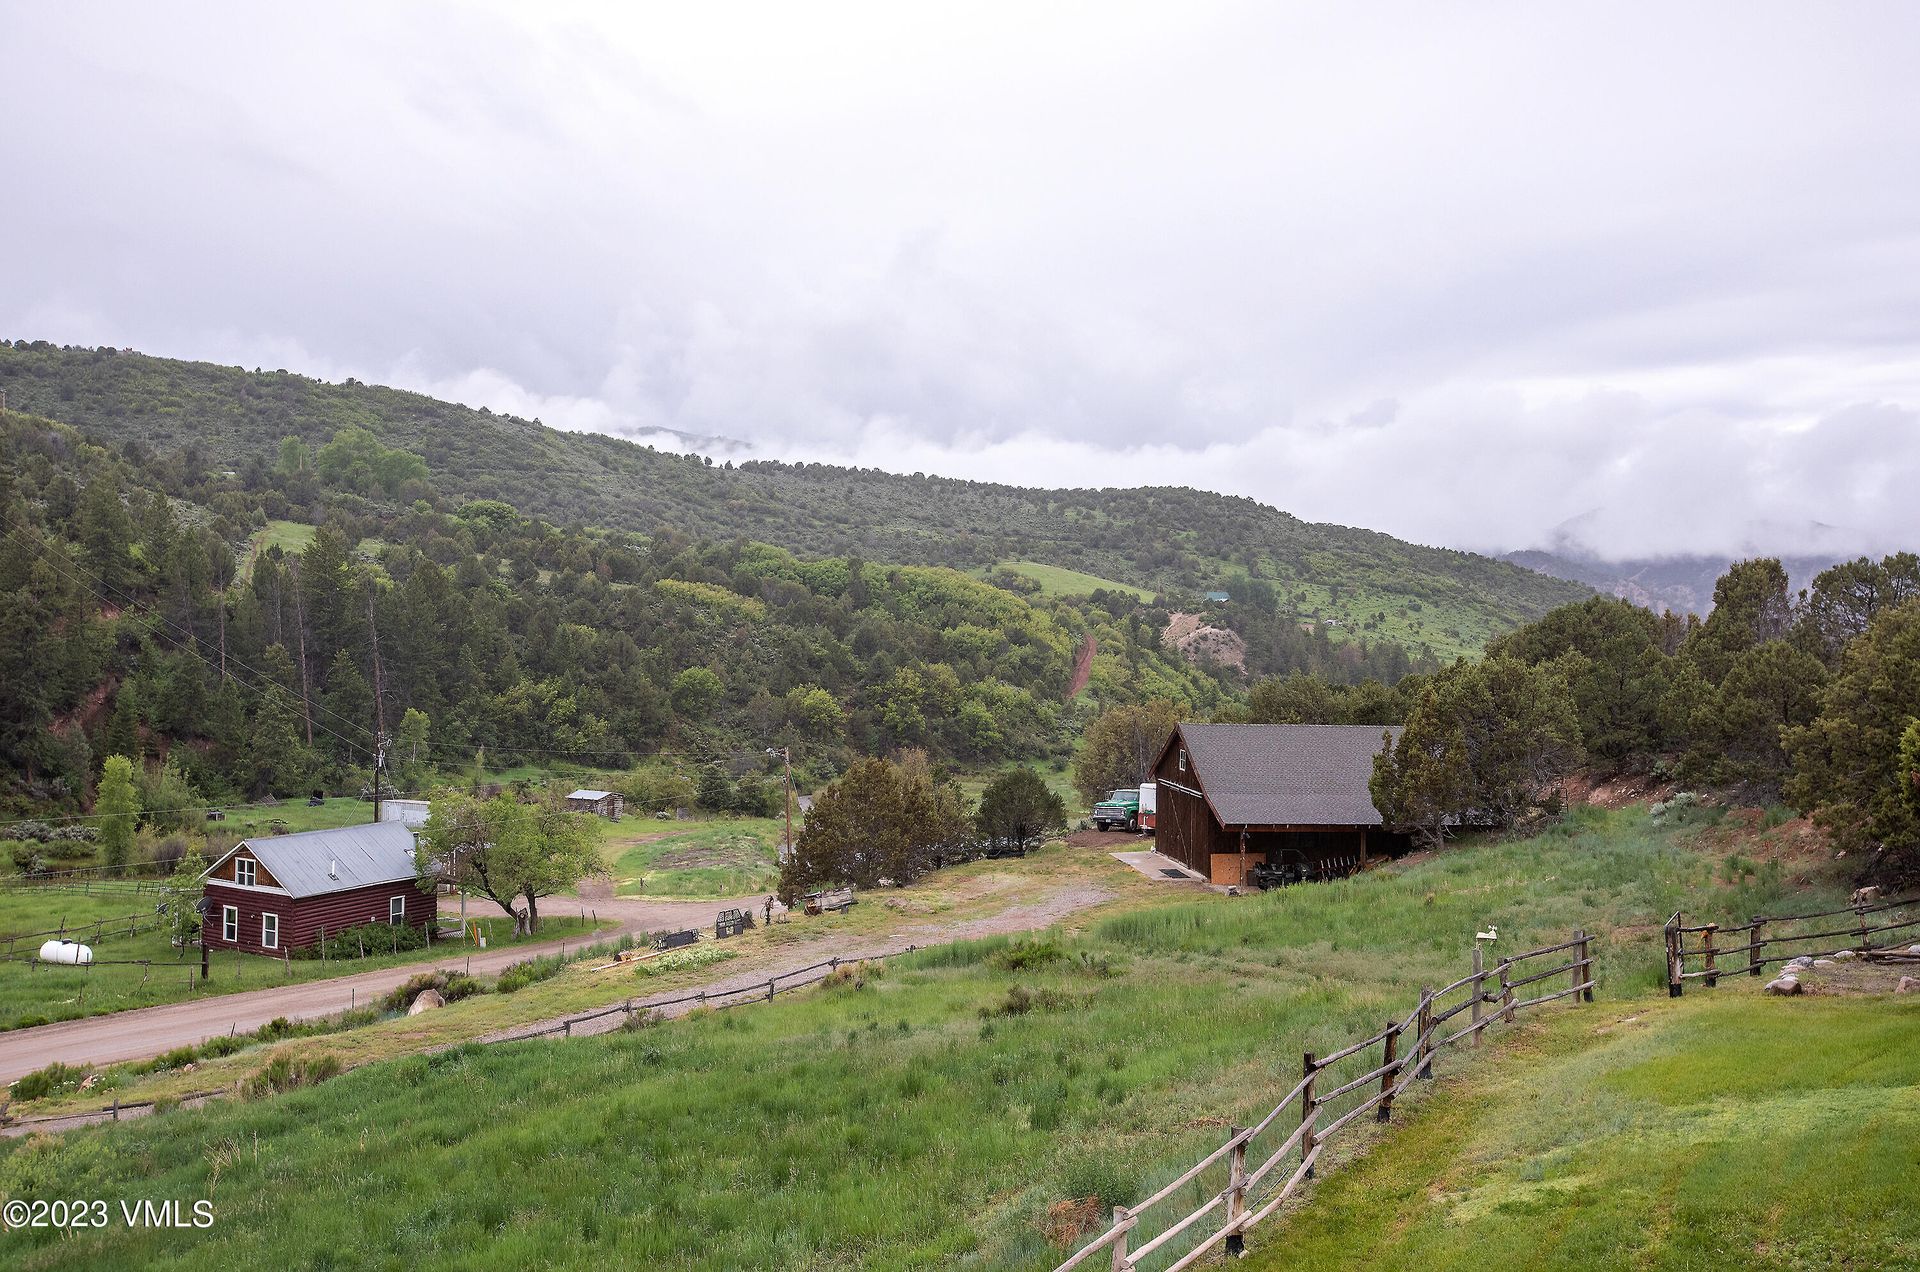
[1335, 1091]
[739, 995]
[1708, 951]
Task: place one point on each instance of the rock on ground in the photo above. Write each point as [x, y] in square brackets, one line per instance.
[1784, 986]
[425, 1000]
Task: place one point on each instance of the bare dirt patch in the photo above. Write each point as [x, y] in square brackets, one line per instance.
[1201, 642]
[1616, 792]
[1109, 840]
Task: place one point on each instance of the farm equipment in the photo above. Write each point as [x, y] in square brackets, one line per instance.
[731, 923]
[839, 900]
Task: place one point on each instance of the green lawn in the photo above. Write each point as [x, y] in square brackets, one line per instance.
[1056, 580]
[926, 1115]
[729, 857]
[291, 537]
[31, 995]
[1724, 1130]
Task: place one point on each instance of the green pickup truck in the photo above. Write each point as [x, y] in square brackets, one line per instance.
[1122, 808]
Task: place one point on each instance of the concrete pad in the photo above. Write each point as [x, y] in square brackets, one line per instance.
[1153, 864]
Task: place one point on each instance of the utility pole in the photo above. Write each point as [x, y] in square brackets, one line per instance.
[379, 763]
[379, 687]
[786, 758]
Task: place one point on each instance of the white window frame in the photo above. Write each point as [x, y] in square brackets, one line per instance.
[265, 919]
[396, 910]
[230, 924]
[1183, 759]
[246, 872]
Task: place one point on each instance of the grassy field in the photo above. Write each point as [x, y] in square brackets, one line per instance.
[1723, 1130]
[32, 995]
[929, 1113]
[291, 537]
[729, 857]
[1059, 781]
[1055, 580]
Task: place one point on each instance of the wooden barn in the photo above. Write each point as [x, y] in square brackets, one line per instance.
[282, 892]
[608, 804]
[1232, 796]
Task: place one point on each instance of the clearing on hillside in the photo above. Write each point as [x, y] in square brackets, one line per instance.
[291, 537]
[1055, 580]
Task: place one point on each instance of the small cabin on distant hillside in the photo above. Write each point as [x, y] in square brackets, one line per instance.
[1232, 796]
[283, 892]
[608, 804]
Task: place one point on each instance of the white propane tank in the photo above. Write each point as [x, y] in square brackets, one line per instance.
[66, 952]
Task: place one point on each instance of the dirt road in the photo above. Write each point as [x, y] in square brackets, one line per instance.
[148, 1031]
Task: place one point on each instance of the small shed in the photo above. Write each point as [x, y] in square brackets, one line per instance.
[1233, 796]
[284, 892]
[1218, 598]
[608, 804]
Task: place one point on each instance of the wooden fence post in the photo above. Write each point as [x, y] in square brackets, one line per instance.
[1236, 1193]
[1713, 973]
[1423, 1041]
[1120, 1261]
[1479, 990]
[1506, 991]
[1583, 975]
[1391, 1053]
[1754, 944]
[1674, 984]
[1307, 1110]
[1866, 937]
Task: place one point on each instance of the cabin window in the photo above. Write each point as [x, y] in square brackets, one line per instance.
[244, 871]
[397, 910]
[230, 923]
[270, 931]
[1183, 759]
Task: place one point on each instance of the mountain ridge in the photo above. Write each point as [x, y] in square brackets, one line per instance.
[1167, 539]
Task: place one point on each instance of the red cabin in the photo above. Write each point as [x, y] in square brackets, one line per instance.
[282, 892]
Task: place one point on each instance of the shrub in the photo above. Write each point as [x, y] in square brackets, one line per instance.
[51, 1080]
[287, 1073]
[367, 940]
[1026, 955]
[682, 959]
[452, 986]
[1020, 1000]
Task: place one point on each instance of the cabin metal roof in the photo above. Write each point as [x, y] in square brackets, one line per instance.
[594, 795]
[1285, 774]
[359, 856]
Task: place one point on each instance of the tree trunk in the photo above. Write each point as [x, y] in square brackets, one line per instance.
[533, 914]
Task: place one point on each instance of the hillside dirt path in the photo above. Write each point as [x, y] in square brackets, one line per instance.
[147, 1031]
[1082, 667]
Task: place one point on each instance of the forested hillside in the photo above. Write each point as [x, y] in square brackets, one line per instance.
[152, 610]
[1176, 542]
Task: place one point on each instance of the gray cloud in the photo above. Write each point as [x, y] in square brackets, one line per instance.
[1465, 275]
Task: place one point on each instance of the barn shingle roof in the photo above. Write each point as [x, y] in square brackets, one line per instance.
[1286, 774]
[359, 857]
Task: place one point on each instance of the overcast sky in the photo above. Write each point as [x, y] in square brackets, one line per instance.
[1462, 273]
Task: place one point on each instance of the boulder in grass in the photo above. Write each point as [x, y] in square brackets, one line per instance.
[426, 1000]
[1823, 962]
[1804, 960]
[1907, 985]
[1784, 986]
[1842, 956]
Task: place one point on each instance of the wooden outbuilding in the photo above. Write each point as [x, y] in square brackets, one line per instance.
[1293, 796]
[284, 892]
[608, 804]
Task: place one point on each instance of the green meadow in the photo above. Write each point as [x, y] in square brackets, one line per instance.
[930, 1112]
[729, 857]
